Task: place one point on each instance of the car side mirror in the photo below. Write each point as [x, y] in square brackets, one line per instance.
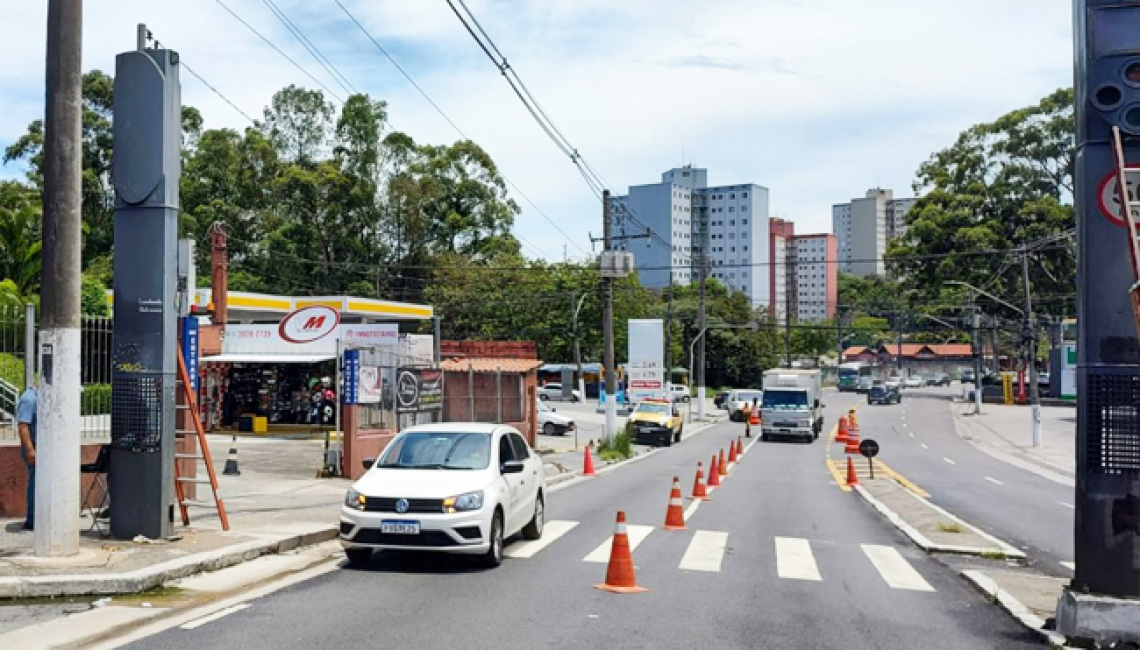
[368, 463]
[512, 467]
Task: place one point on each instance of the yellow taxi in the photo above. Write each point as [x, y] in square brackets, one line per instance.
[656, 422]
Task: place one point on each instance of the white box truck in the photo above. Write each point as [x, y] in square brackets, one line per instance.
[791, 404]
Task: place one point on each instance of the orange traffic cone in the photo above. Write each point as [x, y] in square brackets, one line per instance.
[852, 442]
[700, 492]
[739, 447]
[732, 451]
[722, 467]
[675, 514]
[714, 473]
[842, 437]
[588, 465]
[619, 573]
[754, 419]
[852, 478]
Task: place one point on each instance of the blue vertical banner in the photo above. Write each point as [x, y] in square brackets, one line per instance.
[351, 374]
[190, 348]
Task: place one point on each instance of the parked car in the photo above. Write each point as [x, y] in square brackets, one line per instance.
[554, 392]
[914, 381]
[456, 487]
[967, 376]
[679, 392]
[884, 394]
[894, 382]
[864, 384]
[938, 379]
[721, 400]
[737, 399]
[656, 422]
[550, 422]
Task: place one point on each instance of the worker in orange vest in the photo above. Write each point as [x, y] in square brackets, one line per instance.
[746, 412]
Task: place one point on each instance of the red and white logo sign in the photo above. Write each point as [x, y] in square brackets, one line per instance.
[309, 324]
[1108, 196]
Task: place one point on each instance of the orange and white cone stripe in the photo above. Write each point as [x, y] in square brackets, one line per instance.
[675, 514]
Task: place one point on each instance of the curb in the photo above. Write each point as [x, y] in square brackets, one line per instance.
[140, 580]
[1013, 606]
[925, 543]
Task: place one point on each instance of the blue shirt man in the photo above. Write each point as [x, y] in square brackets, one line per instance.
[26, 417]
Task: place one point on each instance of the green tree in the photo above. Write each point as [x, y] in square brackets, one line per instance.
[21, 239]
[93, 297]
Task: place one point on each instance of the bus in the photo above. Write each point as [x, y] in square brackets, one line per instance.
[851, 373]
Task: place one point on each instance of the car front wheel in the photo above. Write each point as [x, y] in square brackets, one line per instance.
[548, 429]
[494, 555]
[533, 530]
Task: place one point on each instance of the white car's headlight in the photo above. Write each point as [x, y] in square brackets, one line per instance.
[355, 500]
[463, 502]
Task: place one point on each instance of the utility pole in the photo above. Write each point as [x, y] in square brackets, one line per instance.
[789, 269]
[58, 444]
[979, 350]
[1030, 338]
[608, 323]
[899, 324]
[669, 334]
[574, 309]
[701, 342]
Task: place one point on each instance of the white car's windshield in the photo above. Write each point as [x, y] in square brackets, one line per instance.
[654, 408]
[542, 407]
[438, 450]
[747, 396]
[785, 400]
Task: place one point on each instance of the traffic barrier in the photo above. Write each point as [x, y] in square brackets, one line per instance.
[852, 442]
[700, 492]
[675, 513]
[620, 578]
[852, 477]
[842, 437]
[732, 451]
[723, 466]
[231, 468]
[588, 465]
[714, 473]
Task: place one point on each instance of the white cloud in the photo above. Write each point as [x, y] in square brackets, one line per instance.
[816, 100]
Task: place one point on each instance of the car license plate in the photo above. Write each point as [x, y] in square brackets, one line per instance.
[400, 527]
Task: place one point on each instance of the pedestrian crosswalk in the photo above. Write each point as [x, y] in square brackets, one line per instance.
[706, 550]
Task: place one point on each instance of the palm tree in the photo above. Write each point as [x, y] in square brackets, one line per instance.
[21, 237]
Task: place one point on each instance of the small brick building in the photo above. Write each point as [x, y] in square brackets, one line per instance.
[491, 381]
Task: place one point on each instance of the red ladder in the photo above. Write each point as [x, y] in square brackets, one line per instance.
[1127, 205]
[190, 401]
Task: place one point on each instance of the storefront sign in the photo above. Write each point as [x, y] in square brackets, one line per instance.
[309, 324]
[190, 349]
[298, 337]
[351, 373]
[383, 335]
[419, 389]
[646, 368]
[371, 385]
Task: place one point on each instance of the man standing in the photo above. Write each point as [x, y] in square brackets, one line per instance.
[26, 417]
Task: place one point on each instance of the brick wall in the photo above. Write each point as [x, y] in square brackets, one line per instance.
[489, 349]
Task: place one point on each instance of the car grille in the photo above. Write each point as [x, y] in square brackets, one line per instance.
[424, 538]
[388, 504]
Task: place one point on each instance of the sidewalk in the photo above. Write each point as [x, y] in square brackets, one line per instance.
[1004, 432]
[275, 505]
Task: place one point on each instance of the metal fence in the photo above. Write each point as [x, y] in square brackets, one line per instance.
[484, 397]
[17, 347]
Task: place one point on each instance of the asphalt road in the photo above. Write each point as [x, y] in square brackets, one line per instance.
[918, 440]
[840, 578]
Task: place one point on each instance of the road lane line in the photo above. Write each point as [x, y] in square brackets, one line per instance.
[794, 559]
[894, 569]
[637, 535]
[924, 445]
[994, 481]
[195, 624]
[1072, 566]
[692, 509]
[1068, 505]
[551, 532]
[910, 433]
[949, 460]
[705, 552]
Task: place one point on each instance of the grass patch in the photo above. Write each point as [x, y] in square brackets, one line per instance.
[620, 448]
[993, 555]
[953, 527]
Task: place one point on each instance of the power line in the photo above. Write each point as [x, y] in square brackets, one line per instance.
[217, 92]
[321, 59]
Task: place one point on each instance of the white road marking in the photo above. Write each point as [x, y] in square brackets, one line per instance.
[994, 481]
[551, 532]
[1072, 566]
[1068, 505]
[692, 509]
[949, 460]
[895, 570]
[197, 623]
[794, 560]
[910, 433]
[705, 552]
[924, 445]
[637, 535]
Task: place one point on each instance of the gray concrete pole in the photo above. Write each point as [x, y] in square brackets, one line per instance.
[59, 423]
[1031, 353]
[700, 364]
[608, 325]
[29, 344]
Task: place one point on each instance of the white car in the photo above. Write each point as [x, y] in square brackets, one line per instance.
[738, 398]
[679, 392]
[550, 423]
[554, 392]
[914, 381]
[452, 487]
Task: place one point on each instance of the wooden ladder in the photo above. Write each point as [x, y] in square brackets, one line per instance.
[1128, 208]
[189, 401]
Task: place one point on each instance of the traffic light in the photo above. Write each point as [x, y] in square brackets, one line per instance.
[1112, 58]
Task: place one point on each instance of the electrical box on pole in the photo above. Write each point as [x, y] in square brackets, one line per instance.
[147, 167]
[1107, 535]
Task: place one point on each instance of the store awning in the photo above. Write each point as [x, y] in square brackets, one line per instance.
[267, 358]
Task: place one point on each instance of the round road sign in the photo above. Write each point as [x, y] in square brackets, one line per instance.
[1108, 198]
[869, 448]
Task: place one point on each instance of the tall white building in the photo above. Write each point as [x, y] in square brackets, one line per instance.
[863, 228]
[728, 224]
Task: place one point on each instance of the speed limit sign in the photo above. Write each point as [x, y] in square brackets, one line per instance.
[1108, 197]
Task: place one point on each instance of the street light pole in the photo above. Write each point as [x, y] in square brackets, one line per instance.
[578, 348]
[1031, 351]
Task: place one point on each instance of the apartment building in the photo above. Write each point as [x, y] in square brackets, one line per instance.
[864, 227]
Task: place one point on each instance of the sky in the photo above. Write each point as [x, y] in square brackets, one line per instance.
[817, 100]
